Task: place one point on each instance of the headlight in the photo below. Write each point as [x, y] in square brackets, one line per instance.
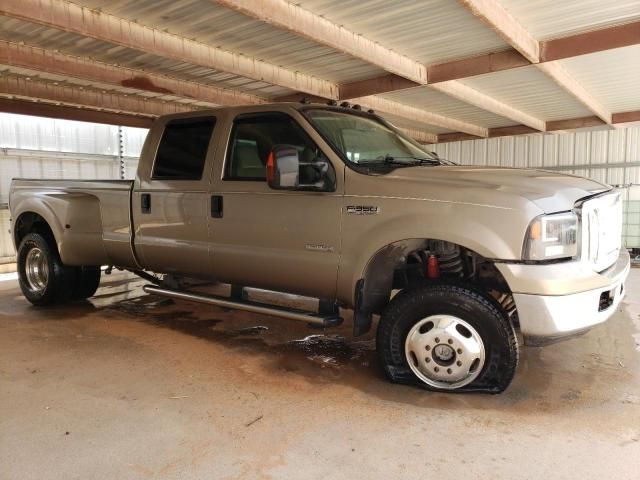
[552, 236]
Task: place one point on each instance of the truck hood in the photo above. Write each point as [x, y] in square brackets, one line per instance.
[550, 191]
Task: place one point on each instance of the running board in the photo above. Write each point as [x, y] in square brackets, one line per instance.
[313, 318]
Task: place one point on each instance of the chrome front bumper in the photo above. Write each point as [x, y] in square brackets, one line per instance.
[547, 319]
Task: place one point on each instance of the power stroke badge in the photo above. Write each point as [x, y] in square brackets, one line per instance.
[363, 210]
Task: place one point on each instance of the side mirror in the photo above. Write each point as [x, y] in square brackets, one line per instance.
[285, 171]
[283, 168]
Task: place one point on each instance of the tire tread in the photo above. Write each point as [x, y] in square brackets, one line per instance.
[390, 345]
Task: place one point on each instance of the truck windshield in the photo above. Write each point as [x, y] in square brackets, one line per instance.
[365, 140]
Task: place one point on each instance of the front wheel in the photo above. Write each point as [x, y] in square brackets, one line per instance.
[447, 337]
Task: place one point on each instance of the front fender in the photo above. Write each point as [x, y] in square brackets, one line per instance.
[490, 232]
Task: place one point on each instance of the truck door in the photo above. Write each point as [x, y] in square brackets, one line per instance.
[170, 203]
[274, 239]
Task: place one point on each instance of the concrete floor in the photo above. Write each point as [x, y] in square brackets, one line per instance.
[130, 386]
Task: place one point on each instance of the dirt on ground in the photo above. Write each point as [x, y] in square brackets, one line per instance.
[129, 385]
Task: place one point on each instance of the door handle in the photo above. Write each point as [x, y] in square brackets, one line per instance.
[216, 206]
[145, 203]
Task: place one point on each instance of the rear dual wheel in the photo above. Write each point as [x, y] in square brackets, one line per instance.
[447, 337]
[87, 282]
[45, 280]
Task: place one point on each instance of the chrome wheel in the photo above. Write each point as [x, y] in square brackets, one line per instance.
[444, 351]
[36, 269]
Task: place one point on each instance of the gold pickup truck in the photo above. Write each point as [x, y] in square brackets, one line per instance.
[334, 203]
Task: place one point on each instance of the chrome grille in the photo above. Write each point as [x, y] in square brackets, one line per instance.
[602, 230]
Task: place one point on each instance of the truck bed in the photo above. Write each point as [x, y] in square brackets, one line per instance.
[90, 219]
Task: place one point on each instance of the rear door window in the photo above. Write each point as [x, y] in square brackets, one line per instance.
[183, 149]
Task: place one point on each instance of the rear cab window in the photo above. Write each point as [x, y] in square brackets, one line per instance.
[182, 150]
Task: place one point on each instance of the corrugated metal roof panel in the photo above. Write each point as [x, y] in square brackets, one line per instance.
[530, 90]
[436, 102]
[612, 77]
[73, 44]
[547, 19]
[429, 31]
[104, 88]
[206, 22]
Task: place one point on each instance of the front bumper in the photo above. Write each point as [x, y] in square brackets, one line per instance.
[546, 319]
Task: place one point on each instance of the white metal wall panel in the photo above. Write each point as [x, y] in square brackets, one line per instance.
[54, 165]
[6, 245]
[35, 133]
[632, 145]
[132, 140]
[631, 230]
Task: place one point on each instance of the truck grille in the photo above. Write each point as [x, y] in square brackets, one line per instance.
[602, 230]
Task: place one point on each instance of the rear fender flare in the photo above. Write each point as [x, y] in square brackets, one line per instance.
[75, 220]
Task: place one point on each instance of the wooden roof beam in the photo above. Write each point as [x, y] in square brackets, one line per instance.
[28, 88]
[503, 23]
[474, 97]
[41, 60]
[498, 18]
[382, 105]
[81, 114]
[306, 24]
[374, 86]
[67, 16]
[405, 72]
[618, 118]
[607, 38]
[420, 136]
[563, 78]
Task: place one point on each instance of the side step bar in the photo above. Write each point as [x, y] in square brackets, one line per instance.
[313, 318]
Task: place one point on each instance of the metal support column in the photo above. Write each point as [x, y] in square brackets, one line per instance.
[121, 165]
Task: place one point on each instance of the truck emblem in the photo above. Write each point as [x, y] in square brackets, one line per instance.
[363, 210]
[318, 248]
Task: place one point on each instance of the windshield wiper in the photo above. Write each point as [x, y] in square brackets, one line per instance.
[423, 161]
[394, 160]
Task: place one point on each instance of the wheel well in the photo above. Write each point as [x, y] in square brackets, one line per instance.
[403, 264]
[30, 222]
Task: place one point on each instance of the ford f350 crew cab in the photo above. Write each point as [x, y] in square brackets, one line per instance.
[336, 204]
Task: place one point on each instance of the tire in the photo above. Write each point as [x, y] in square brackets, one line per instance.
[453, 326]
[43, 279]
[87, 282]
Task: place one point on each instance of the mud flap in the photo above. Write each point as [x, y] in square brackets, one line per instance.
[361, 319]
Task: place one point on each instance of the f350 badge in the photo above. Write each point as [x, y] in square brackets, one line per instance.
[363, 209]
